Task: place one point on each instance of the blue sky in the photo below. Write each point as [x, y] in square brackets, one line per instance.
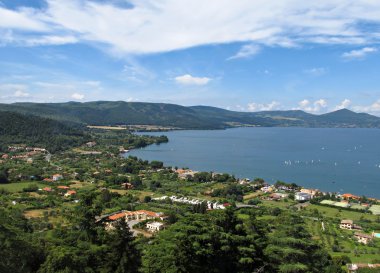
[240, 55]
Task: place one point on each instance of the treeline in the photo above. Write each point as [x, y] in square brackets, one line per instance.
[36, 131]
[216, 241]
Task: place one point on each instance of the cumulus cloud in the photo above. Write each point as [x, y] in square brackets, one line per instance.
[314, 107]
[159, 26]
[246, 51]
[187, 79]
[274, 105]
[344, 104]
[359, 53]
[373, 108]
[77, 96]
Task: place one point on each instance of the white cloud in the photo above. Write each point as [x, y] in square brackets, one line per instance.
[134, 71]
[246, 51]
[187, 79]
[24, 19]
[21, 94]
[359, 53]
[10, 92]
[373, 108]
[149, 26]
[304, 103]
[274, 105]
[316, 71]
[77, 96]
[313, 107]
[51, 40]
[344, 104]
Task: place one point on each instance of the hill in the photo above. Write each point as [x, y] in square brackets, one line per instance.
[195, 117]
[53, 135]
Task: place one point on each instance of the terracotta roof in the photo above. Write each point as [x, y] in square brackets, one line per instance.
[147, 212]
[71, 192]
[63, 187]
[357, 234]
[116, 216]
[349, 195]
[47, 189]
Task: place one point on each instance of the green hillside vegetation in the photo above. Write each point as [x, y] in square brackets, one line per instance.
[36, 131]
[195, 117]
[45, 230]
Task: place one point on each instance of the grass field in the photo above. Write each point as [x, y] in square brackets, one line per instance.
[252, 195]
[35, 213]
[18, 187]
[279, 204]
[341, 213]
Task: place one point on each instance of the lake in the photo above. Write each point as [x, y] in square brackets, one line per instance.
[341, 160]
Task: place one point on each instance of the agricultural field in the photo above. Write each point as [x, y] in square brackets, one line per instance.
[341, 242]
[19, 186]
[375, 209]
[342, 213]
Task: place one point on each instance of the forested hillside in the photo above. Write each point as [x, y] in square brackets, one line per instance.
[36, 131]
[195, 117]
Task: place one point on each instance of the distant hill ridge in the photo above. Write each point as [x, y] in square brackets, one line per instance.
[194, 117]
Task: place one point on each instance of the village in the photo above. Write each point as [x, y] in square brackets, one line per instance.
[149, 197]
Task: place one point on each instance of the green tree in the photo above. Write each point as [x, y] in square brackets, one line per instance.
[123, 255]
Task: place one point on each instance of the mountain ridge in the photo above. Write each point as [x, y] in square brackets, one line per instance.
[186, 117]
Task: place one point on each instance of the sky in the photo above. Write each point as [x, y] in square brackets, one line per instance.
[242, 55]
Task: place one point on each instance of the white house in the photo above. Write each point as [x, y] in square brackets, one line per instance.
[302, 196]
[154, 226]
[363, 238]
[57, 177]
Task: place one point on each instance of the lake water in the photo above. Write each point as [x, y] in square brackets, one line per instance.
[341, 160]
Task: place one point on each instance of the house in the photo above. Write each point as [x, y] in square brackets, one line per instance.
[363, 238]
[349, 196]
[353, 268]
[47, 189]
[312, 192]
[137, 215]
[302, 196]
[91, 144]
[57, 177]
[277, 196]
[48, 180]
[70, 193]
[35, 149]
[63, 187]
[127, 186]
[5, 156]
[116, 216]
[349, 224]
[274, 197]
[244, 181]
[154, 226]
[266, 189]
[346, 224]
[184, 173]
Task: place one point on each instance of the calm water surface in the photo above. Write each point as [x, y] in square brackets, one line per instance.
[342, 160]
